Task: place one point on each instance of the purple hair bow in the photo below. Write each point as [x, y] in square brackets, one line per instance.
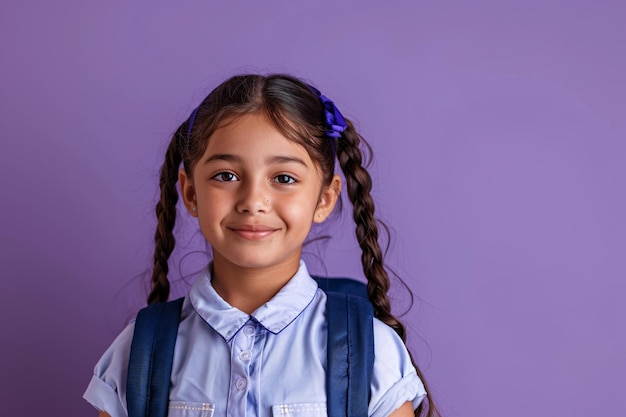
[335, 122]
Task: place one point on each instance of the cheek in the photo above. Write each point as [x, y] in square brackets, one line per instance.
[299, 210]
[211, 210]
[213, 200]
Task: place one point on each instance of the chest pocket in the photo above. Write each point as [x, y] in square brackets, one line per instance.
[189, 409]
[299, 410]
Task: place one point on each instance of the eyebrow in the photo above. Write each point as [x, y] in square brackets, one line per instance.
[285, 159]
[278, 159]
[222, 157]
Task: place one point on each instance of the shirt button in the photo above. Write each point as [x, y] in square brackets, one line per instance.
[248, 330]
[245, 355]
[241, 384]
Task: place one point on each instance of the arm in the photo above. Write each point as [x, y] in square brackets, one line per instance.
[405, 410]
[103, 414]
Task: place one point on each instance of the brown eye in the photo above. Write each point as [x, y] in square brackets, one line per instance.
[225, 177]
[284, 179]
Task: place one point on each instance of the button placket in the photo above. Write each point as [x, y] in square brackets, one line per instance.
[241, 355]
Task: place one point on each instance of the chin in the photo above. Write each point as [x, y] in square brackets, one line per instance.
[260, 262]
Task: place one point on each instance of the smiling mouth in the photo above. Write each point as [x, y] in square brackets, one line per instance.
[253, 232]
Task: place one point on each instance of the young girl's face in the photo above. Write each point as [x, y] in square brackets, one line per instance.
[256, 195]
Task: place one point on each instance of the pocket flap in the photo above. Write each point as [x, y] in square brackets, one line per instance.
[299, 410]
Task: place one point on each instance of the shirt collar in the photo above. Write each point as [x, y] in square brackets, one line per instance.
[274, 315]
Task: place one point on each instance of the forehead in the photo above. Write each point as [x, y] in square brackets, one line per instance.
[253, 135]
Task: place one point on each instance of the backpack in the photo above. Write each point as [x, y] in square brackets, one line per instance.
[349, 364]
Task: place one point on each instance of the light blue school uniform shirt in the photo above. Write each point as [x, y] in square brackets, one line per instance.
[270, 363]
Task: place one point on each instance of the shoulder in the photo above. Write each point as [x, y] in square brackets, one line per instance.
[107, 389]
[394, 379]
[117, 353]
[388, 344]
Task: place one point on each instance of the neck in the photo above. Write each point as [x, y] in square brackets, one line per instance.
[247, 289]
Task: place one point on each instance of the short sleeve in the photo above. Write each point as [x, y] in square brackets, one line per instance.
[394, 379]
[107, 389]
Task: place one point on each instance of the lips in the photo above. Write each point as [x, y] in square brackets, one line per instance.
[253, 232]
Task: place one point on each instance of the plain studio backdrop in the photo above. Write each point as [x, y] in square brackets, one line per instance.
[499, 136]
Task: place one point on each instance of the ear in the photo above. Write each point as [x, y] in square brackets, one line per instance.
[188, 192]
[327, 200]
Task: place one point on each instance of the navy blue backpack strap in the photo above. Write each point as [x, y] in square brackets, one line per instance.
[151, 357]
[350, 346]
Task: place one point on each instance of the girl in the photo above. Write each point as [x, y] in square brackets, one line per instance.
[258, 159]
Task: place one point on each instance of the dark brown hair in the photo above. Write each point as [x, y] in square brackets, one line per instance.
[297, 112]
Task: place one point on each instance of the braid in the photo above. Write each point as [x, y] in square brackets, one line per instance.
[164, 240]
[359, 186]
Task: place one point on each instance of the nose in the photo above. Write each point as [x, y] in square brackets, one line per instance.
[253, 198]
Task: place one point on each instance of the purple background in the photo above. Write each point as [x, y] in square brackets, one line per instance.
[498, 130]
